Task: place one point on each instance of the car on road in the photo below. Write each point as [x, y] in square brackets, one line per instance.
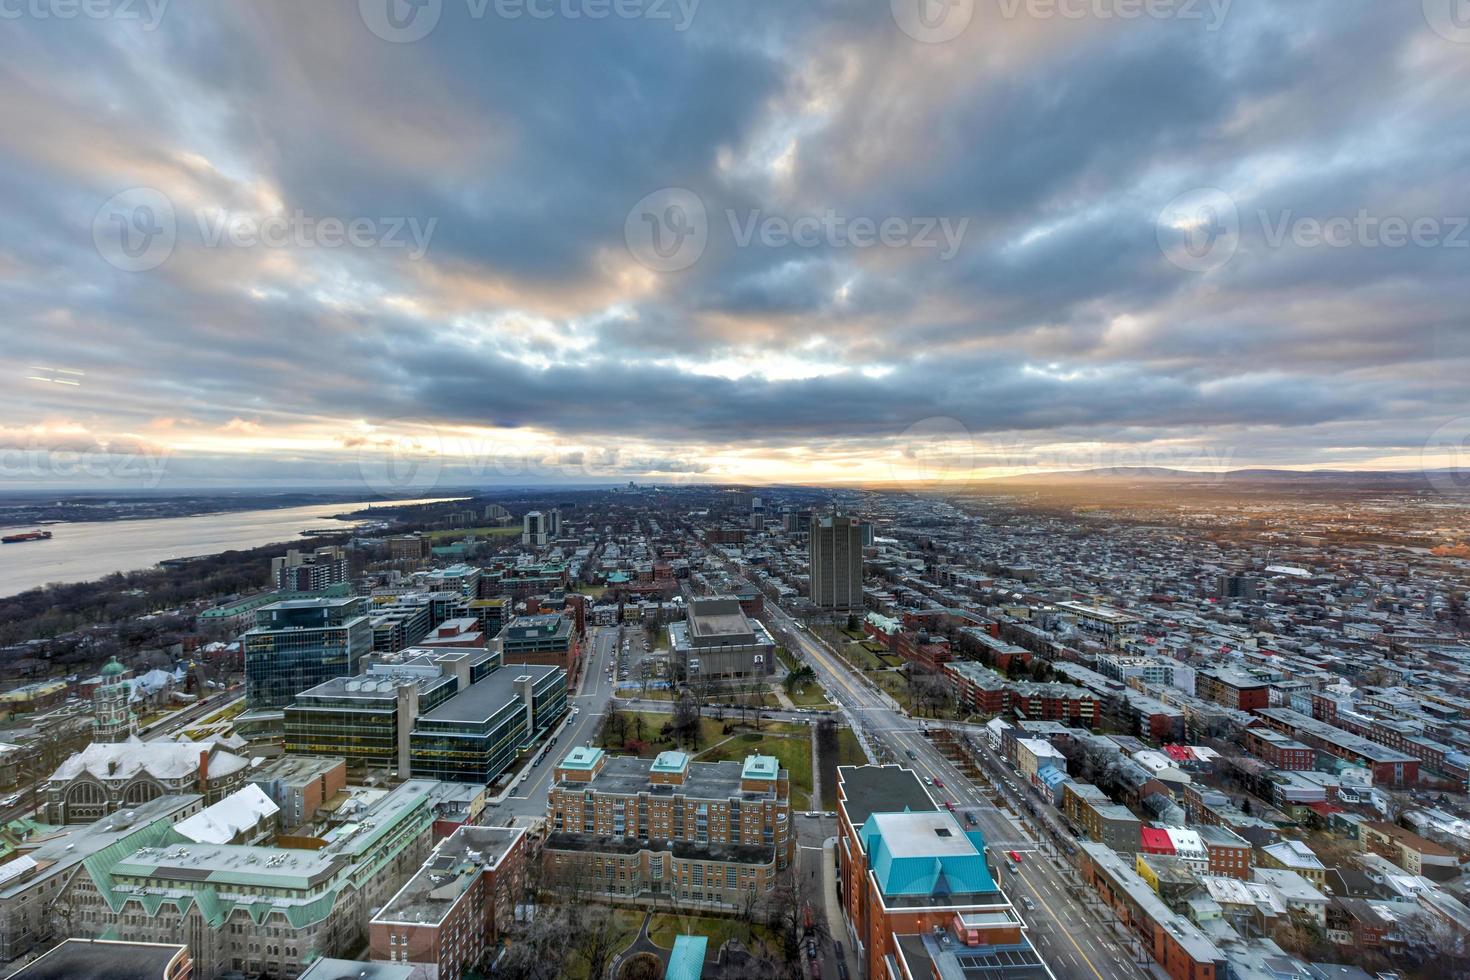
[949, 805]
[939, 783]
[928, 781]
[1029, 905]
[1014, 856]
[970, 818]
[911, 754]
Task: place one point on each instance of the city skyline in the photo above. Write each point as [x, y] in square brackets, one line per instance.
[530, 243]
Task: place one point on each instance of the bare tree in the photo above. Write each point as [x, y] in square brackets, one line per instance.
[596, 938]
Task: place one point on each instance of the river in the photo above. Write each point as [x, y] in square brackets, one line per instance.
[87, 551]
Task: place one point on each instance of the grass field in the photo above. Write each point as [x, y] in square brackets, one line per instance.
[628, 923]
[849, 753]
[794, 751]
[457, 534]
[664, 928]
[809, 695]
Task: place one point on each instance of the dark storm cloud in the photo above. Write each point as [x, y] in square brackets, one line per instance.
[527, 142]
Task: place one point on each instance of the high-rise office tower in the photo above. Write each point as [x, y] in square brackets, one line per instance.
[299, 643]
[836, 551]
[534, 532]
[309, 571]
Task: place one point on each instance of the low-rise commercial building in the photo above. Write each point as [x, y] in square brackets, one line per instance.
[718, 642]
[1174, 942]
[917, 894]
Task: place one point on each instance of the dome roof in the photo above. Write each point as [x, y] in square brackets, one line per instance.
[113, 668]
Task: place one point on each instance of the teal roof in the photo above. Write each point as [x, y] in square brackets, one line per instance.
[760, 767]
[670, 762]
[686, 962]
[582, 757]
[113, 668]
[925, 854]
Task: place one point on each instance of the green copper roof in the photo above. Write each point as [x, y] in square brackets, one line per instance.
[113, 668]
[670, 762]
[760, 767]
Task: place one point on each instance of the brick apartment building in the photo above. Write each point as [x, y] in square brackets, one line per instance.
[1232, 688]
[702, 834]
[454, 909]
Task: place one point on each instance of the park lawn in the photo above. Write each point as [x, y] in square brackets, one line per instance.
[860, 656]
[629, 922]
[663, 929]
[711, 731]
[477, 532]
[849, 753]
[896, 685]
[809, 695]
[595, 591]
[794, 752]
[858, 635]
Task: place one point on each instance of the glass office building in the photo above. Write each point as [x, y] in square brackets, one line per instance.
[300, 643]
[475, 736]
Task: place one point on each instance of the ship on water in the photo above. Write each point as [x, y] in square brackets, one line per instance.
[28, 536]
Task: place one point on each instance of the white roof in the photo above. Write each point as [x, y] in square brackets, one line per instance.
[163, 760]
[218, 824]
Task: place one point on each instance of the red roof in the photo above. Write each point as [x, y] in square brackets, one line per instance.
[1325, 809]
[1156, 841]
[1179, 753]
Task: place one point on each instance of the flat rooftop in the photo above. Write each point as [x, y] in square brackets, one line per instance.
[483, 700]
[932, 834]
[627, 775]
[880, 789]
[448, 873]
[75, 959]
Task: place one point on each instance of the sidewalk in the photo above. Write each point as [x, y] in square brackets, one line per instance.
[836, 924]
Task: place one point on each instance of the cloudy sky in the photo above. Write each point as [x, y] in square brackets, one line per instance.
[408, 241]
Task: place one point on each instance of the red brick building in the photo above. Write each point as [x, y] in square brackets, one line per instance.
[455, 908]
